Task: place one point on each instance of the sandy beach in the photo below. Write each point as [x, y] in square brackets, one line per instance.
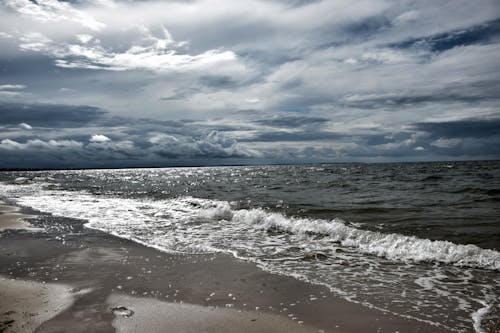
[73, 279]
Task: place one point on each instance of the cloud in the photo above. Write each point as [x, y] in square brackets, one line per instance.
[293, 121]
[161, 149]
[294, 136]
[25, 126]
[12, 86]
[214, 145]
[151, 53]
[38, 144]
[5, 35]
[98, 138]
[374, 81]
[481, 33]
[8, 90]
[51, 115]
[471, 127]
[147, 142]
[406, 17]
[60, 139]
[53, 10]
[64, 153]
[446, 143]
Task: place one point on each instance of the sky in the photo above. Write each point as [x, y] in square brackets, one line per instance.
[123, 83]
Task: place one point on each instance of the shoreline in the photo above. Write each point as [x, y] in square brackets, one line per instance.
[11, 219]
[106, 272]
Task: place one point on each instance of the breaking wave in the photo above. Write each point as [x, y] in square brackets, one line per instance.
[187, 223]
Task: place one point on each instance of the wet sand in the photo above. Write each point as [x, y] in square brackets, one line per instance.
[10, 219]
[156, 316]
[119, 285]
[25, 305]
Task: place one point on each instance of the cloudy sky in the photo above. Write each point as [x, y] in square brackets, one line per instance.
[109, 83]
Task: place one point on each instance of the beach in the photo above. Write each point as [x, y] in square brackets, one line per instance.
[88, 281]
[306, 248]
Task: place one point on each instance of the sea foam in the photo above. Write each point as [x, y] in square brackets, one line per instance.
[391, 246]
[190, 217]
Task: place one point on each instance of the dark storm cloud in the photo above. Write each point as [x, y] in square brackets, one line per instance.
[49, 115]
[471, 128]
[482, 33]
[59, 136]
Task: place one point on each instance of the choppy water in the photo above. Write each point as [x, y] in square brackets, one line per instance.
[417, 239]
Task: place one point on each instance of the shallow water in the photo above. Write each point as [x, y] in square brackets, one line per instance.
[390, 236]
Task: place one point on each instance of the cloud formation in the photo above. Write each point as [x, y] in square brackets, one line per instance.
[203, 81]
[25, 126]
[98, 138]
[7, 90]
[53, 11]
[154, 54]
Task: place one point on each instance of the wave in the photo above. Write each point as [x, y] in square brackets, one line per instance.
[198, 221]
[391, 246]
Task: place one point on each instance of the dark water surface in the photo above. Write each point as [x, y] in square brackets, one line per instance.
[390, 236]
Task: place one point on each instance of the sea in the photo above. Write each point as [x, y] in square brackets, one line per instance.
[417, 240]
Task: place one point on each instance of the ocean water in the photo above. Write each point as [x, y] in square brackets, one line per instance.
[419, 240]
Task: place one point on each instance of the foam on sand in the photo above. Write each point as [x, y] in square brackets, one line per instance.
[151, 315]
[25, 305]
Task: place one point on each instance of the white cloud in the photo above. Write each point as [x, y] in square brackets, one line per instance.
[25, 126]
[99, 138]
[84, 38]
[406, 17]
[53, 10]
[5, 35]
[386, 56]
[9, 144]
[35, 41]
[11, 90]
[157, 54]
[12, 86]
[252, 100]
